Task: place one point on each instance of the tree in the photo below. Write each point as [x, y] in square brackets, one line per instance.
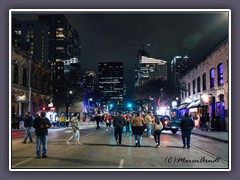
[156, 92]
[70, 89]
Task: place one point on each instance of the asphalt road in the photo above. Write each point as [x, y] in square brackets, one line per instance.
[99, 151]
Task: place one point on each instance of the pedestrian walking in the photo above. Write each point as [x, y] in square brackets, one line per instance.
[75, 130]
[157, 131]
[118, 124]
[149, 119]
[97, 118]
[41, 125]
[28, 125]
[128, 120]
[186, 126]
[16, 121]
[137, 128]
[107, 120]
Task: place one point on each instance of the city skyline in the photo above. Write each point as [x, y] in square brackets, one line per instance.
[117, 36]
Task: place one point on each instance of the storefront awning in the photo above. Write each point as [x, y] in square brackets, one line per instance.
[183, 106]
[195, 103]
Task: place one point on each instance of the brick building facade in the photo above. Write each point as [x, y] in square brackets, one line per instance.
[40, 83]
[209, 78]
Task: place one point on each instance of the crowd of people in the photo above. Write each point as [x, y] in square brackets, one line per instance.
[134, 124]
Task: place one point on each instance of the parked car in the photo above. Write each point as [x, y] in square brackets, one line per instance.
[169, 123]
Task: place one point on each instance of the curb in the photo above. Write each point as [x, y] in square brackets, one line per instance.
[210, 137]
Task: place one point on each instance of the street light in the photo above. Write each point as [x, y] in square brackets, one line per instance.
[29, 86]
[89, 104]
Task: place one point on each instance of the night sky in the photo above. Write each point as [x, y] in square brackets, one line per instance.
[116, 36]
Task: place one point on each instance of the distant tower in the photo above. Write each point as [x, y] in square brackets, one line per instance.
[150, 69]
[111, 87]
[179, 66]
[89, 80]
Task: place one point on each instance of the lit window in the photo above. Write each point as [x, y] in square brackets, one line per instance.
[220, 74]
[59, 48]
[212, 78]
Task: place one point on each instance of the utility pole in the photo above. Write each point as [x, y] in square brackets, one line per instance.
[29, 85]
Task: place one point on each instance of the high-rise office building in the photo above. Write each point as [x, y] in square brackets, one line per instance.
[179, 66]
[32, 38]
[64, 56]
[64, 44]
[111, 88]
[89, 80]
[150, 69]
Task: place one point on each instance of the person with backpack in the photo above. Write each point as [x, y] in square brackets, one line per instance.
[118, 124]
[137, 128]
[157, 130]
[28, 125]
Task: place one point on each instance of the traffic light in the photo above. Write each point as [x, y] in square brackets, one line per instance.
[111, 106]
[129, 105]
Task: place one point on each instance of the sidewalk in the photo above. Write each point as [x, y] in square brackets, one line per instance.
[215, 135]
[222, 136]
[82, 124]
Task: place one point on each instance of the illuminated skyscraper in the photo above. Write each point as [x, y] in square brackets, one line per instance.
[150, 69]
[111, 88]
[179, 66]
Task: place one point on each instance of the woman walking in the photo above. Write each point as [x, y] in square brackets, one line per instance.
[75, 129]
[157, 127]
[137, 125]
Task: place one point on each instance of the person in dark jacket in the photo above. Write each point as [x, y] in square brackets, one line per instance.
[118, 124]
[28, 125]
[186, 126]
[41, 125]
[97, 118]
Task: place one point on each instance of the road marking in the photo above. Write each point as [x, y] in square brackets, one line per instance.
[90, 134]
[121, 163]
[22, 162]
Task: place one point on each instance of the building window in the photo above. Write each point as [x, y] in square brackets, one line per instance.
[204, 82]
[220, 74]
[15, 74]
[189, 92]
[24, 77]
[194, 84]
[182, 94]
[212, 78]
[185, 90]
[198, 84]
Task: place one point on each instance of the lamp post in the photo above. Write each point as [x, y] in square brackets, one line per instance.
[89, 104]
[29, 86]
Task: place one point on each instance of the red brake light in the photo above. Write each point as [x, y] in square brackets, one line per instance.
[165, 122]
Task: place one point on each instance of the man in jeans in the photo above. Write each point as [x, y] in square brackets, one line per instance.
[186, 126]
[118, 124]
[28, 125]
[41, 125]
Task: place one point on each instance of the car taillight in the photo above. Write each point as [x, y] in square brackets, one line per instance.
[165, 122]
